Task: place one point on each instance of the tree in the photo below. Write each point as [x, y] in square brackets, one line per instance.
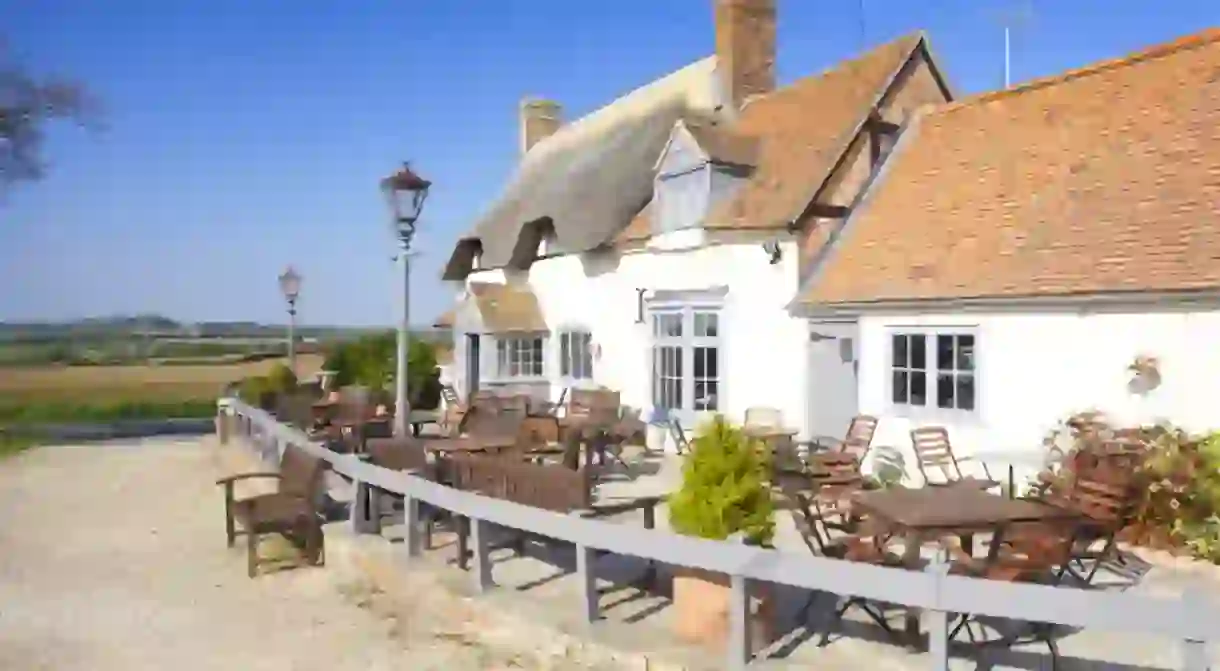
[27, 103]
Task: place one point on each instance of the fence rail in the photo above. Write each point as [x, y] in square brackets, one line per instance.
[1191, 619]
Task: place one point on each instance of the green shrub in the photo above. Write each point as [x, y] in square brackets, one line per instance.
[725, 487]
[371, 360]
[281, 379]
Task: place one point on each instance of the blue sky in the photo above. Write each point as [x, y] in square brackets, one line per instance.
[248, 134]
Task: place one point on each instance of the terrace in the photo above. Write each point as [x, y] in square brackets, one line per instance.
[610, 577]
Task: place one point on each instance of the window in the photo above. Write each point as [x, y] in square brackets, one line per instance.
[955, 371]
[520, 356]
[918, 381]
[686, 360]
[575, 355]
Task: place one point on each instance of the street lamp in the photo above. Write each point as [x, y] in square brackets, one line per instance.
[405, 194]
[290, 286]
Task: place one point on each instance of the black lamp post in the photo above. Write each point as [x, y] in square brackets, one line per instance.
[290, 286]
[405, 193]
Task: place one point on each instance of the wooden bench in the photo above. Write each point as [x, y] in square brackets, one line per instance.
[549, 487]
[290, 511]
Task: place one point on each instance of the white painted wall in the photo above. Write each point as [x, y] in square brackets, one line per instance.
[1036, 369]
[764, 347]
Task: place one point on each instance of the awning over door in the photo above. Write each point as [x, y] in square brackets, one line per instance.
[506, 309]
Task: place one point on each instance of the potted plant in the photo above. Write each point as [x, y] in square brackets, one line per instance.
[724, 493]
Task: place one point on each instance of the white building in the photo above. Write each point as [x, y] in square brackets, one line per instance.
[1021, 249]
[654, 245]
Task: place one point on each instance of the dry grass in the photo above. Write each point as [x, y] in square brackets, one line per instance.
[135, 383]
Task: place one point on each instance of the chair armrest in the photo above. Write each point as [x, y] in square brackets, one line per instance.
[247, 476]
[623, 506]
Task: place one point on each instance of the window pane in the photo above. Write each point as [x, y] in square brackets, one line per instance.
[711, 396]
[944, 352]
[919, 357]
[919, 387]
[898, 351]
[944, 390]
[668, 325]
[707, 324]
[965, 392]
[565, 354]
[965, 352]
[899, 386]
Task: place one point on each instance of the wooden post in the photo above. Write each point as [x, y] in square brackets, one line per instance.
[586, 560]
[410, 514]
[364, 519]
[480, 531]
[938, 620]
[738, 646]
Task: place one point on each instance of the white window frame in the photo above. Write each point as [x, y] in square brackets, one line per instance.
[932, 371]
[521, 356]
[665, 368]
[575, 354]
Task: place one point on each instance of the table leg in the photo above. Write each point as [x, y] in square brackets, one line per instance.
[1012, 490]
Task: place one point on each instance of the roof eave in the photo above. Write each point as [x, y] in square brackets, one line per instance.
[1199, 298]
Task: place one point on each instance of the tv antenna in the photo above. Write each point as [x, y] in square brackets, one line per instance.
[1013, 17]
[863, 25]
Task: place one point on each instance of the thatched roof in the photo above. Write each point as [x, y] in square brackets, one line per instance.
[504, 308]
[590, 178]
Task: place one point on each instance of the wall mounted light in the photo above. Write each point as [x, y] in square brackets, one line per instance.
[639, 305]
[771, 247]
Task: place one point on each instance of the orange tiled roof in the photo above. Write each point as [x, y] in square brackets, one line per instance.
[1098, 180]
[795, 135]
[803, 129]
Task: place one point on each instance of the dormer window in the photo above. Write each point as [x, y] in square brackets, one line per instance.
[701, 165]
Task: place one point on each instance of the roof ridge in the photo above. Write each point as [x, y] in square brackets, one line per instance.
[1188, 42]
[912, 37]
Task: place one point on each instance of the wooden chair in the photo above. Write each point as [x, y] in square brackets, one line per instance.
[1030, 553]
[934, 452]
[1106, 498]
[291, 510]
[834, 478]
[857, 441]
[405, 454]
[867, 546]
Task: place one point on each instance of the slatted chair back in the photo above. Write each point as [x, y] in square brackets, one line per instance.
[859, 438]
[833, 473]
[399, 454]
[1106, 499]
[486, 400]
[934, 455]
[450, 395]
[295, 409]
[300, 473]
[548, 487]
[594, 402]
[539, 432]
[515, 403]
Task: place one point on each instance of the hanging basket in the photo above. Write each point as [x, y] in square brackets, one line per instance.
[1145, 374]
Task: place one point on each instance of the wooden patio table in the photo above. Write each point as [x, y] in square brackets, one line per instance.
[588, 426]
[929, 513]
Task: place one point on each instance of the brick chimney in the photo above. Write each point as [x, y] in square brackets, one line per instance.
[745, 47]
[539, 119]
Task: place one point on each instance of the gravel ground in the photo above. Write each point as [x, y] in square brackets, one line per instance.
[112, 558]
